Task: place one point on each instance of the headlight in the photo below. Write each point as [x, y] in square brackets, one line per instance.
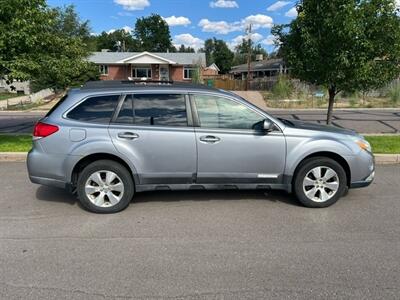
[363, 144]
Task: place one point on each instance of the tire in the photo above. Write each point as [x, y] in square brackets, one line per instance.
[320, 182]
[105, 186]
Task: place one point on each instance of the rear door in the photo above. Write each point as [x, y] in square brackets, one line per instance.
[155, 131]
[230, 150]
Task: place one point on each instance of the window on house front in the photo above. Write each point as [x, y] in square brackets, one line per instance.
[141, 73]
[188, 72]
[103, 69]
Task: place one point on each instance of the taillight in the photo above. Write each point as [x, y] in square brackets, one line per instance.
[42, 130]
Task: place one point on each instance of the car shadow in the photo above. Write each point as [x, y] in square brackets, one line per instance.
[203, 195]
[50, 194]
[45, 193]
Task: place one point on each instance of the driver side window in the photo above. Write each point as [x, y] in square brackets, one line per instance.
[218, 112]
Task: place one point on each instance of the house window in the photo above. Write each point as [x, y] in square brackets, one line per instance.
[188, 72]
[141, 73]
[103, 69]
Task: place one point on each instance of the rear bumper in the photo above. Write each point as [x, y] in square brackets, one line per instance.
[48, 181]
[47, 169]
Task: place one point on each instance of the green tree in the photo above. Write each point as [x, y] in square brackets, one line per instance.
[153, 34]
[218, 52]
[69, 24]
[344, 45]
[35, 46]
[242, 50]
[183, 49]
[117, 41]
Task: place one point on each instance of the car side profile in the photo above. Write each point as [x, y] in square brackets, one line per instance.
[109, 140]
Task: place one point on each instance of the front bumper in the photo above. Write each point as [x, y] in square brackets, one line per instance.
[363, 183]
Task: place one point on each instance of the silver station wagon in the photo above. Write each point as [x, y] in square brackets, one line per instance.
[109, 140]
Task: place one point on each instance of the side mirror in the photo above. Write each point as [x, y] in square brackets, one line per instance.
[268, 125]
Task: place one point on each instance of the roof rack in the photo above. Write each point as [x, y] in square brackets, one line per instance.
[104, 84]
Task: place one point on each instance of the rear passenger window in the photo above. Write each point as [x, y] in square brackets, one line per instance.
[96, 109]
[125, 115]
[159, 109]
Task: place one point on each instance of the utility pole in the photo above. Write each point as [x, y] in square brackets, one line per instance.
[248, 29]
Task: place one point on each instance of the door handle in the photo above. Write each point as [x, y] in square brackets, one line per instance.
[128, 135]
[210, 139]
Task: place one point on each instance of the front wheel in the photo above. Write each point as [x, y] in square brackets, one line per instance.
[320, 182]
[105, 186]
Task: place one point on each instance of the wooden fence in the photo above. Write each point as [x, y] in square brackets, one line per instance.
[263, 84]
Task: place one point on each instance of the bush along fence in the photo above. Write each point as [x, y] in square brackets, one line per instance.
[25, 100]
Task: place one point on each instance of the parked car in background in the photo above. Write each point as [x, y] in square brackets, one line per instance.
[109, 140]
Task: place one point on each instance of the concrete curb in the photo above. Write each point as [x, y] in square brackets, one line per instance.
[380, 159]
[13, 156]
[384, 159]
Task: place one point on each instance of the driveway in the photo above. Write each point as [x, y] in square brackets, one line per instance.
[367, 121]
[199, 245]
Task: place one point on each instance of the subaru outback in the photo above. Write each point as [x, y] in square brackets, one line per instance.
[109, 140]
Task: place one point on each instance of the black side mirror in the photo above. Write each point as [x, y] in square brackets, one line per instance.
[268, 125]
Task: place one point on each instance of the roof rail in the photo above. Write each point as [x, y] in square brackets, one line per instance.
[108, 84]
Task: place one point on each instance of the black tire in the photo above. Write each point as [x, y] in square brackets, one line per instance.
[120, 171]
[308, 165]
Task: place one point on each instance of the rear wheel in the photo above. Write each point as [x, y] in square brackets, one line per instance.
[105, 186]
[320, 182]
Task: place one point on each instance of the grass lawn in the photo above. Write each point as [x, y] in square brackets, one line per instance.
[22, 143]
[15, 143]
[385, 144]
[4, 96]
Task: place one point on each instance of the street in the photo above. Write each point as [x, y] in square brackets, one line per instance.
[199, 245]
[362, 120]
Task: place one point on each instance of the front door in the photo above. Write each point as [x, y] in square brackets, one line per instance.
[152, 130]
[229, 149]
[164, 72]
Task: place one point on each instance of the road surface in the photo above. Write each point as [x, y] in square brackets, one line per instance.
[199, 245]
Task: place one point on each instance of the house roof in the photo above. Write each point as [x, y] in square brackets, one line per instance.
[264, 65]
[120, 57]
[213, 67]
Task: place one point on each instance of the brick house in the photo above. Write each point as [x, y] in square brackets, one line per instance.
[146, 65]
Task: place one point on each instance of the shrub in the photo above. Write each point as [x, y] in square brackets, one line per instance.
[394, 92]
[283, 88]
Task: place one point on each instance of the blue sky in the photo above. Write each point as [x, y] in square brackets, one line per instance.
[191, 21]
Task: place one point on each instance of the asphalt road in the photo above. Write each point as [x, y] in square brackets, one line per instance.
[199, 245]
[363, 121]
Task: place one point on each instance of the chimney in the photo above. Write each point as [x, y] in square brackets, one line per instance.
[259, 57]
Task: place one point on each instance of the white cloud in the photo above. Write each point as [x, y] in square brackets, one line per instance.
[125, 14]
[255, 37]
[223, 27]
[188, 40]
[220, 27]
[133, 4]
[177, 21]
[258, 21]
[278, 5]
[292, 13]
[224, 4]
[127, 29]
[269, 41]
